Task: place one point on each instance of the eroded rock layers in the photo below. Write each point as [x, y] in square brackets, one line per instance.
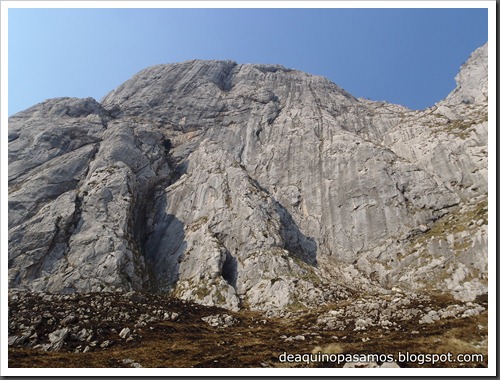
[250, 186]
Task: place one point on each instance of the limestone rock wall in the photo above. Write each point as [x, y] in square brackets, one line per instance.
[250, 186]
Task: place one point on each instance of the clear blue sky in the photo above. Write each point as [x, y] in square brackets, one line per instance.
[404, 56]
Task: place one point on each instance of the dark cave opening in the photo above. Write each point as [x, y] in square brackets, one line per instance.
[230, 270]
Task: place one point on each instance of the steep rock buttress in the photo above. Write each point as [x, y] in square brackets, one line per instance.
[250, 186]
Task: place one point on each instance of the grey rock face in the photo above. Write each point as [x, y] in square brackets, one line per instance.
[472, 83]
[125, 333]
[249, 186]
[220, 321]
[57, 339]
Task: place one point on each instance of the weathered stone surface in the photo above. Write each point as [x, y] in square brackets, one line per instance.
[250, 186]
[56, 339]
[125, 333]
[472, 83]
[220, 320]
[103, 315]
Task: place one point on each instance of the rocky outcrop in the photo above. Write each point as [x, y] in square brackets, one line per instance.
[119, 328]
[472, 83]
[250, 186]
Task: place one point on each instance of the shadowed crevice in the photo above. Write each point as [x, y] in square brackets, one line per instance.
[230, 270]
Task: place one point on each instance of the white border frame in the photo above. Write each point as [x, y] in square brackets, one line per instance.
[490, 371]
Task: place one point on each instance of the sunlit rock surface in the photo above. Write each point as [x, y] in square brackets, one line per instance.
[250, 186]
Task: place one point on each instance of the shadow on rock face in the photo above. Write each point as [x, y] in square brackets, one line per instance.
[299, 245]
[164, 247]
[230, 270]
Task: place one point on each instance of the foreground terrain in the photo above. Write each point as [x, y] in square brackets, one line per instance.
[248, 186]
[215, 214]
[141, 330]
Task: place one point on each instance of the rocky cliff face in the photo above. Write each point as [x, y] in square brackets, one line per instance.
[250, 186]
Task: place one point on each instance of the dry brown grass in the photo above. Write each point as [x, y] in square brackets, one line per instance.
[193, 343]
[457, 336]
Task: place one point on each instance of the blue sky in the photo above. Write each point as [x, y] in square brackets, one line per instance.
[404, 56]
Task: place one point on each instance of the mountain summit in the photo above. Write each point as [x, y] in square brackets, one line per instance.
[250, 186]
